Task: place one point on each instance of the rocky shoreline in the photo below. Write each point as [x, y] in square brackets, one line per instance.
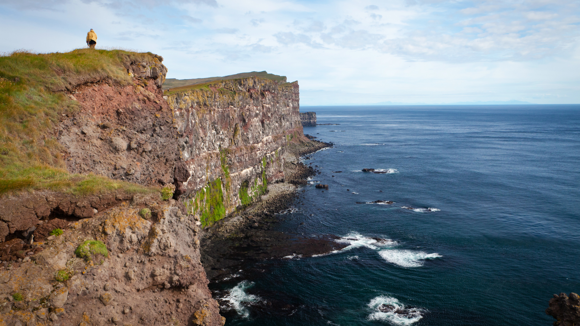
[248, 236]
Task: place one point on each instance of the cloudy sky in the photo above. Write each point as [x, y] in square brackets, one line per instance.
[341, 52]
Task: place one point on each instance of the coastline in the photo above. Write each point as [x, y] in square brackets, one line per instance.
[248, 235]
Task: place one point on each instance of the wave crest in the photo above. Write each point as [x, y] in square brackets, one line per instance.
[407, 258]
[238, 299]
[391, 310]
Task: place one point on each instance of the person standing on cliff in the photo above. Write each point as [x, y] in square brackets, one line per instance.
[91, 39]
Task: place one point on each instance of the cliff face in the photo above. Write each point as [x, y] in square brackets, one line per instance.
[219, 145]
[122, 132]
[232, 137]
[308, 119]
[143, 263]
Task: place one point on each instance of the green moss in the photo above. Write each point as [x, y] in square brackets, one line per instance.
[17, 297]
[56, 232]
[214, 208]
[245, 198]
[62, 276]
[145, 213]
[224, 161]
[167, 192]
[90, 248]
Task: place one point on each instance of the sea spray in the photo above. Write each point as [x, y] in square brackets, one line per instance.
[238, 299]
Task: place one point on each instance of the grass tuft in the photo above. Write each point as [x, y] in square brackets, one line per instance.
[90, 248]
[56, 232]
[17, 297]
[62, 276]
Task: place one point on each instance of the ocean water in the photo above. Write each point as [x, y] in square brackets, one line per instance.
[484, 228]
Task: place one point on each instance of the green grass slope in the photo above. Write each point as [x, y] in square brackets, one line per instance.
[171, 83]
[33, 99]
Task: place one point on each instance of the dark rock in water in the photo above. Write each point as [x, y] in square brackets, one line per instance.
[368, 170]
[380, 202]
[565, 309]
[321, 186]
[337, 172]
[387, 308]
[400, 311]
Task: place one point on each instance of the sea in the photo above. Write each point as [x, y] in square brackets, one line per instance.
[483, 228]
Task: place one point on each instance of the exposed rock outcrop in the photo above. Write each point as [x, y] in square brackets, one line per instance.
[565, 309]
[123, 132]
[308, 119]
[151, 274]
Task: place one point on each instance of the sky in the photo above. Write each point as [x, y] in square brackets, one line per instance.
[341, 52]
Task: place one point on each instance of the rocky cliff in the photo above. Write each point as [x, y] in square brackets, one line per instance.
[565, 309]
[232, 138]
[308, 119]
[108, 231]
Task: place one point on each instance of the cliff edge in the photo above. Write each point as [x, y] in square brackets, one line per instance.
[107, 183]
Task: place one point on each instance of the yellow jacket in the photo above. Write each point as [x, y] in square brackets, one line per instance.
[91, 36]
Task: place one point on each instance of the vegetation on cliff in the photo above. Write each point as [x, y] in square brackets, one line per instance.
[174, 83]
[33, 98]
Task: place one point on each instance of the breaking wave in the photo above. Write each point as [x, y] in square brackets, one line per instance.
[389, 309]
[386, 171]
[407, 258]
[292, 256]
[421, 210]
[238, 299]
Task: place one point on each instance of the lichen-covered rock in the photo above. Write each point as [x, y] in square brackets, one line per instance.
[58, 297]
[565, 309]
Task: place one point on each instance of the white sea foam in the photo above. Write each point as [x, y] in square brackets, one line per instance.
[292, 257]
[407, 258]
[352, 257]
[421, 210]
[425, 210]
[357, 240]
[355, 193]
[373, 144]
[390, 310]
[227, 278]
[387, 171]
[289, 210]
[238, 299]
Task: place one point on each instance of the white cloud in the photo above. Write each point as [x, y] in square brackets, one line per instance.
[342, 51]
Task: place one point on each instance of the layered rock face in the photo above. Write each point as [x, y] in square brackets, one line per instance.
[565, 309]
[308, 119]
[122, 132]
[232, 138]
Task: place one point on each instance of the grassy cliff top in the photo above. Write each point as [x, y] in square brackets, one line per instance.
[171, 83]
[33, 99]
